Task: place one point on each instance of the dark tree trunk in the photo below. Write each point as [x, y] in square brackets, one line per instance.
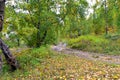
[18, 42]
[39, 39]
[43, 38]
[5, 50]
[0, 63]
[38, 35]
[38, 44]
[8, 56]
[106, 26]
[2, 5]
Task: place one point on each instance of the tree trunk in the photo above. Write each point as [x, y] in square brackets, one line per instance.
[18, 42]
[0, 63]
[5, 50]
[38, 35]
[2, 5]
[106, 26]
[40, 40]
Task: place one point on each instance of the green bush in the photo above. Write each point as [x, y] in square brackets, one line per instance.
[95, 44]
[83, 41]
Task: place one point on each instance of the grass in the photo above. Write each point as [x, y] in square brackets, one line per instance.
[96, 44]
[44, 64]
[29, 59]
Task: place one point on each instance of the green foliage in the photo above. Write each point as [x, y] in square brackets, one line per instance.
[112, 36]
[95, 44]
[31, 26]
[89, 39]
[35, 56]
[69, 21]
[10, 43]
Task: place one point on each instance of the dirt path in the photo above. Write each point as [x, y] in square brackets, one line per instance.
[112, 59]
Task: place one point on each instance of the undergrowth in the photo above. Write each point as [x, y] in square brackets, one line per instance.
[96, 44]
[28, 59]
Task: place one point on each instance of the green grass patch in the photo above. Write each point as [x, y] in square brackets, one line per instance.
[29, 59]
[97, 44]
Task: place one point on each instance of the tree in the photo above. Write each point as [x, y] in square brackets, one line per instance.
[42, 20]
[73, 14]
[8, 56]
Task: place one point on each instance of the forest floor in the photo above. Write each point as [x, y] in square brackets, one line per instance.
[61, 64]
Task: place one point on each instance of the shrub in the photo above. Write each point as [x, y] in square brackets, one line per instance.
[95, 44]
[83, 42]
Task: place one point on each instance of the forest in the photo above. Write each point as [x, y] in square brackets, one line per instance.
[60, 39]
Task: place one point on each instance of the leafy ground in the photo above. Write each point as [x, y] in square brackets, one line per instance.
[44, 64]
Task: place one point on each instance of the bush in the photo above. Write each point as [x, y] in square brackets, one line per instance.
[33, 57]
[95, 44]
[83, 41]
